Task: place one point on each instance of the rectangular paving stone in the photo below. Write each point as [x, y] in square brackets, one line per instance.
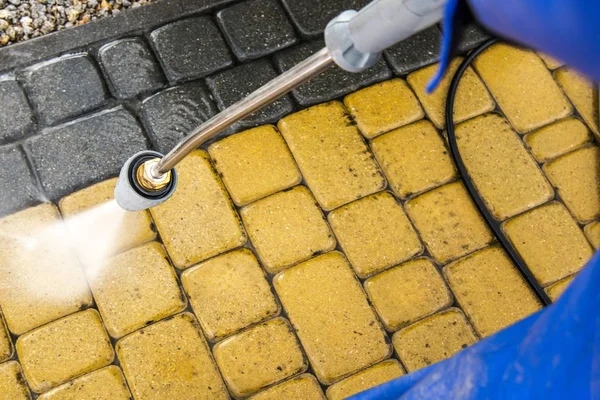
[326, 305]
[592, 231]
[490, 290]
[331, 84]
[16, 118]
[256, 28]
[130, 68]
[433, 339]
[472, 98]
[172, 114]
[287, 228]
[414, 158]
[374, 233]
[336, 163]
[6, 346]
[19, 189]
[104, 384]
[12, 382]
[576, 176]
[474, 35]
[170, 360]
[582, 93]
[549, 241]
[259, 357]
[304, 387]
[415, 52]
[254, 164]
[64, 87]
[551, 62]
[506, 176]
[42, 280]
[383, 107]
[523, 87]
[557, 139]
[236, 83]
[555, 290]
[199, 221]
[408, 292]
[448, 222]
[73, 156]
[190, 48]
[228, 293]
[64, 349]
[365, 379]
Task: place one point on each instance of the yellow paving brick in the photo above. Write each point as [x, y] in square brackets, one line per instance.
[522, 86]
[105, 384]
[41, 277]
[408, 292]
[556, 289]
[6, 346]
[551, 62]
[448, 222]
[325, 303]
[592, 231]
[582, 93]
[228, 293]
[286, 228]
[549, 241]
[304, 387]
[336, 163]
[170, 360]
[259, 357]
[383, 107]
[472, 98]
[136, 288]
[366, 379]
[490, 290]
[506, 176]
[88, 208]
[557, 139]
[64, 349]
[577, 178]
[433, 339]
[199, 221]
[375, 233]
[414, 158]
[12, 382]
[254, 164]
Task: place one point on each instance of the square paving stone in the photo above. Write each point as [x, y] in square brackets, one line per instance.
[130, 68]
[170, 360]
[64, 349]
[374, 233]
[41, 277]
[592, 231]
[172, 114]
[259, 357]
[236, 83]
[190, 48]
[557, 139]
[365, 379]
[490, 290]
[254, 164]
[6, 346]
[332, 155]
[555, 290]
[331, 84]
[103, 384]
[287, 228]
[328, 308]
[583, 93]
[433, 339]
[256, 28]
[12, 382]
[305, 387]
[19, 189]
[228, 293]
[64, 87]
[75, 155]
[16, 118]
[415, 52]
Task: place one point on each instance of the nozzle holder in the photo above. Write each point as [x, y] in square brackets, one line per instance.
[135, 175]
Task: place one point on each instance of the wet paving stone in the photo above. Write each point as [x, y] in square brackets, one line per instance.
[130, 68]
[16, 118]
[582, 93]
[415, 52]
[556, 289]
[474, 35]
[256, 28]
[64, 87]
[105, 383]
[365, 379]
[305, 387]
[190, 48]
[19, 189]
[557, 139]
[12, 382]
[6, 346]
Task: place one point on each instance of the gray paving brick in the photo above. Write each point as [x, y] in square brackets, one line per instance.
[190, 48]
[130, 68]
[16, 118]
[75, 155]
[170, 115]
[255, 28]
[18, 188]
[332, 83]
[473, 37]
[415, 52]
[64, 87]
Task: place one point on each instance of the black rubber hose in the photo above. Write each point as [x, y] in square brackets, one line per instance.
[454, 151]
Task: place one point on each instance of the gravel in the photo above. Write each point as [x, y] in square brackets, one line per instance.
[26, 19]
